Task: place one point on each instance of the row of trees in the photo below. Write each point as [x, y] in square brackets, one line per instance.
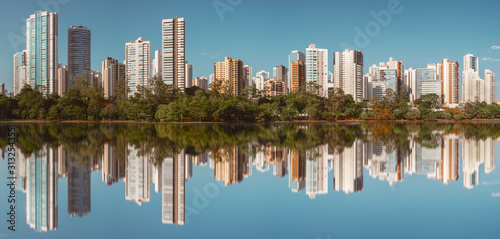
[165, 103]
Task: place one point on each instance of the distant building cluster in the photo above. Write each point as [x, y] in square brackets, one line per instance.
[38, 67]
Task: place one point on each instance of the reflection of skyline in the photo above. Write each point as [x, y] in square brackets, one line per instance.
[173, 181]
[79, 187]
[42, 190]
[137, 176]
[348, 169]
[475, 153]
[308, 171]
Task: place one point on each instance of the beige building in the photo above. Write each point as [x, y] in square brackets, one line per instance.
[112, 73]
[63, 79]
[275, 87]
[450, 81]
[297, 75]
[230, 72]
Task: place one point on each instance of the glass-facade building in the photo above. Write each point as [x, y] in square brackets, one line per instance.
[427, 83]
[41, 46]
[79, 64]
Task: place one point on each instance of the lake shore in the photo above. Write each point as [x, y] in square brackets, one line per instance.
[5, 122]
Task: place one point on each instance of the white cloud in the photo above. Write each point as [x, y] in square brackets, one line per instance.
[490, 59]
[486, 183]
[495, 47]
[216, 55]
[204, 53]
[495, 195]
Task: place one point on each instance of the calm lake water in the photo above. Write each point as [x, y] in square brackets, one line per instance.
[253, 181]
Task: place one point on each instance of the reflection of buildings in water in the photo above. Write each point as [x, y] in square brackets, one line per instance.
[475, 153]
[348, 169]
[62, 165]
[188, 166]
[449, 168]
[79, 186]
[277, 156]
[112, 168]
[201, 159]
[317, 171]
[229, 165]
[247, 166]
[21, 165]
[260, 162]
[489, 158]
[427, 160]
[41, 190]
[388, 166]
[137, 176]
[172, 187]
[297, 169]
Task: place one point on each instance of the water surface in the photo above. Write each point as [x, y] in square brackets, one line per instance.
[254, 181]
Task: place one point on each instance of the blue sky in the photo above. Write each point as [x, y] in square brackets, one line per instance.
[263, 33]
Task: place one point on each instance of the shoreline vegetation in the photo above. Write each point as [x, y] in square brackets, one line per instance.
[85, 140]
[85, 103]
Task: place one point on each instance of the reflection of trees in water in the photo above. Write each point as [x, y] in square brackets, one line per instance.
[85, 141]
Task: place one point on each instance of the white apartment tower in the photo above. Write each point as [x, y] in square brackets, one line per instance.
[473, 86]
[173, 52]
[489, 84]
[42, 51]
[348, 73]
[189, 75]
[157, 64]
[317, 67]
[19, 71]
[138, 64]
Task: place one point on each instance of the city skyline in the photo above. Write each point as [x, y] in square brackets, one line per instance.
[487, 51]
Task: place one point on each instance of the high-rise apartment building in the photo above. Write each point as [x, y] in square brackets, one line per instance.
[42, 51]
[294, 56]
[449, 74]
[201, 82]
[189, 75]
[281, 74]
[317, 68]
[247, 76]
[298, 76]
[489, 86]
[137, 64]
[157, 64]
[348, 73]
[230, 73]
[472, 85]
[398, 66]
[275, 87]
[173, 52]
[20, 62]
[62, 79]
[79, 39]
[112, 73]
[426, 82]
